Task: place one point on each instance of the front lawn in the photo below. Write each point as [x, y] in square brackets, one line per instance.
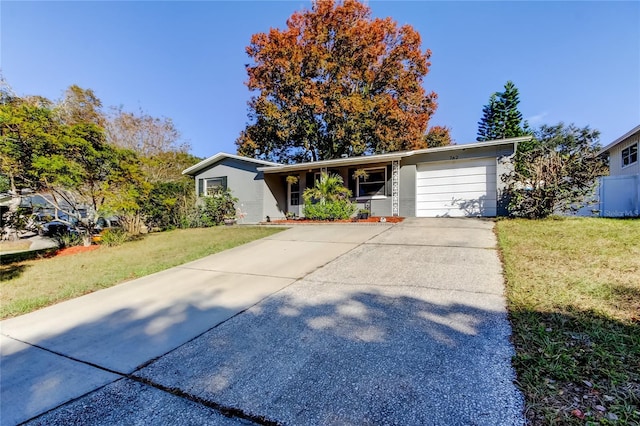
[573, 290]
[30, 285]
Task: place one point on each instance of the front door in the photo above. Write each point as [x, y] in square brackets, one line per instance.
[293, 197]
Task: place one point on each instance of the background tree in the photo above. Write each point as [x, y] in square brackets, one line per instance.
[163, 155]
[80, 106]
[28, 130]
[75, 156]
[335, 82]
[501, 118]
[556, 173]
[438, 136]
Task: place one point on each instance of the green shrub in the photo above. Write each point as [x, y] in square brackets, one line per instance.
[328, 199]
[169, 205]
[216, 208]
[330, 210]
[114, 237]
[68, 239]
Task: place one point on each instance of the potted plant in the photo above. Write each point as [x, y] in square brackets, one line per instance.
[360, 173]
[363, 214]
[292, 180]
[229, 220]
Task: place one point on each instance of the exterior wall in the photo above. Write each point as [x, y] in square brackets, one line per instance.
[615, 158]
[275, 197]
[245, 182]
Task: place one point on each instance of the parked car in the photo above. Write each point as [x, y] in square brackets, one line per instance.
[50, 226]
[104, 224]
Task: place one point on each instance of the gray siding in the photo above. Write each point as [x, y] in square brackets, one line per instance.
[461, 154]
[275, 197]
[245, 182]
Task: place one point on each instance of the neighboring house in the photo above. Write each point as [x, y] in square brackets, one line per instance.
[619, 193]
[450, 181]
[623, 154]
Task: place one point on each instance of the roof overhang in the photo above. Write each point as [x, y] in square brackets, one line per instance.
[365, 159]
[620, 139]
[371, 159]
[193, 170]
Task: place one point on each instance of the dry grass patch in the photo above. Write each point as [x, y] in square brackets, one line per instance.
[30, 285]
[573, 288]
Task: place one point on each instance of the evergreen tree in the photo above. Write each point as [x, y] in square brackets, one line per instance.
[500, 117]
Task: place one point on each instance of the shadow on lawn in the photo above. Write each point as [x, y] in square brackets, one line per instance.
[10, 272]
[577, 367]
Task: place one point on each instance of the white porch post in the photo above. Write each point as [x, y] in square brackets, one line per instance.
[395, 188]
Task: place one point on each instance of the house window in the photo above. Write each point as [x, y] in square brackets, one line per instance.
[209, 186]
[373, 185]
[630, 155]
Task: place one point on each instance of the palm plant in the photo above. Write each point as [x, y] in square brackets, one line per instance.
[329, 188]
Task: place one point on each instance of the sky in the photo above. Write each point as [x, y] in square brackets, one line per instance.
[575, 62]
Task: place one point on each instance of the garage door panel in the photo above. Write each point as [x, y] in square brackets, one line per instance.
[458, 212]
[460, 188]
[466, 171]
[451, 165]
[456, 180]
[456, 188]
[448, 196]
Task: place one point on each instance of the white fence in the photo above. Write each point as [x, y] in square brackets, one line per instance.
[614, 196]
[619, 196]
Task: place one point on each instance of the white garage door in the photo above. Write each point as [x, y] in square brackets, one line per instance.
[456, 188]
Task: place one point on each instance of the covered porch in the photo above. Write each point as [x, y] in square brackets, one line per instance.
[374, 183]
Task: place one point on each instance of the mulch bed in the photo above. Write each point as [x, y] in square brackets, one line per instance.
[67, 251]
[372, 219]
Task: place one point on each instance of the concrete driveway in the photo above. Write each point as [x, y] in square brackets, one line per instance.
[328, 324]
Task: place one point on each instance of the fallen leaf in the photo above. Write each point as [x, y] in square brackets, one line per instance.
[579, 414]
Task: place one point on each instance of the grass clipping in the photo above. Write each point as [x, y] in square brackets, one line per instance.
[573, 289]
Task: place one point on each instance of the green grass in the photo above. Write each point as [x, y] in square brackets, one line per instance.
[30, 285]
[573, 290]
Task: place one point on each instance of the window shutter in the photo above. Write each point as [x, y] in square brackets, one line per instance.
[200, 187]
[224, 183]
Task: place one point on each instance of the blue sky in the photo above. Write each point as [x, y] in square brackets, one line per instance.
[577, 62]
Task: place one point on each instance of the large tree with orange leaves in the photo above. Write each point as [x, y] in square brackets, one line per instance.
[334, 82]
